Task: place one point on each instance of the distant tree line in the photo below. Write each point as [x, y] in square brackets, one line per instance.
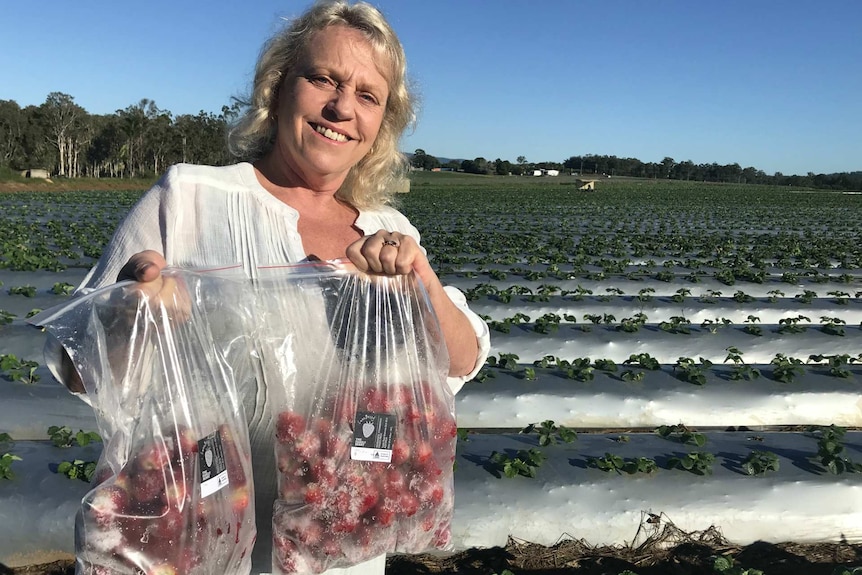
[668, 168]
[141, 140]
[138, 141]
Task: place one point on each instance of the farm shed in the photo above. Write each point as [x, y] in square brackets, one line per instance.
[586, 185]
[35, 173]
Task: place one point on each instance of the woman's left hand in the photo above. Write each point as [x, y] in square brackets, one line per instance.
[391, 253]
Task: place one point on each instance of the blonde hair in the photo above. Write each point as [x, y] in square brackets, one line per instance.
[375, 178]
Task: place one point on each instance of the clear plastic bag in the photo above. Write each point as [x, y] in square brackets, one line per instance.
[173, 492]
[365, 422]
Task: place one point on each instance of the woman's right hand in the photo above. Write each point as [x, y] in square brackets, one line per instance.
[163, 291]
[144, 266]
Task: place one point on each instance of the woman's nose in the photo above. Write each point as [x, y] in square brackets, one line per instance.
[342, 103]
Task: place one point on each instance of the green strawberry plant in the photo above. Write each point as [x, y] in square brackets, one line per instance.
[682, 434]
[632, 376]
[677, 324]
[832, 325]
[786, 368]
[645, 294]
[791, 324]
[742, 297]
[836, 363]
[725, 565]
[611, 462]
[507, 361]
[632, 324]
[760, 462]
[691, 372]
[680, 295]
[550, 433]
[548, 323]
[26, 291]
[524, 463]
[6, 465]
[644, 360]
[14, 369]
[807, 296]
[62, 436]
[830, 450]
[6, 317]
[740, 370]
[605, 365]
[840, 297]
[77, 469]
[774, 295]
[750, 327]
[62, 288]
[697, 462]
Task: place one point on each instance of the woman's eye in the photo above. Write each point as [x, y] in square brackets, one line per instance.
[321, 81]
[368, 98]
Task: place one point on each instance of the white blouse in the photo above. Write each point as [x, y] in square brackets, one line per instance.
[203, 216]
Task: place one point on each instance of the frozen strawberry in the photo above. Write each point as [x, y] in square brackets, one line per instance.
[383, 515]
[176, 493]
[324, 473]
[187, 442]
[336, 447]
[367, 498]
[171, 525]
[345, 524]
[148, 485]
[423, 455]
[408, 504]
[107, 503]
[430, 491]
[155, 455]
[310, 533]
[444, 433]
[400, 452]
[308, 445]
[288, 426]
[240, 499]
[314, 494]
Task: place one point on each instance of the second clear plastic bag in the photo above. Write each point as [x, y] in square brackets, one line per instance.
[173, 491]
[365, 426]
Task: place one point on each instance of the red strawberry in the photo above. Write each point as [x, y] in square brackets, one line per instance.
[288, 426]
[325, 473]
[345, 524]
[310, 533]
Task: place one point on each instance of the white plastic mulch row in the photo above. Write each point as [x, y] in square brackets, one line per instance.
[567, 498]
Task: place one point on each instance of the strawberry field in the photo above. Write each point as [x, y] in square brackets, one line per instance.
[676, 350]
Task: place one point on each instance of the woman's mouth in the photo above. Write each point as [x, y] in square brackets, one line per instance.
[330, 134]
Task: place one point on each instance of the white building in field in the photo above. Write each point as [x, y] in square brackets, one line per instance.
[538, 173]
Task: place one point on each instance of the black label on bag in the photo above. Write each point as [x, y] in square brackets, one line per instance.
[373, 436]
[212, 464]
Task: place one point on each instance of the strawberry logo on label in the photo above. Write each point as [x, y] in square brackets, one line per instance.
[367, 429]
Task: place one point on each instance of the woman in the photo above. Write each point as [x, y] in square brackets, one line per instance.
[319, 155]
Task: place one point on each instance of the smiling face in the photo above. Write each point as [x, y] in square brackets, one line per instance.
[329, 110]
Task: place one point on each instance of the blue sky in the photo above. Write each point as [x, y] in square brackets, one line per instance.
[772, 84]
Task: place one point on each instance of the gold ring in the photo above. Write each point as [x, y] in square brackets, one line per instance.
[392, 243]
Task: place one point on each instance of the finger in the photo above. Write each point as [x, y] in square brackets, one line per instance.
[143, 267]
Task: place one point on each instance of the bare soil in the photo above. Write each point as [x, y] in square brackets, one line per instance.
[659, 548]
